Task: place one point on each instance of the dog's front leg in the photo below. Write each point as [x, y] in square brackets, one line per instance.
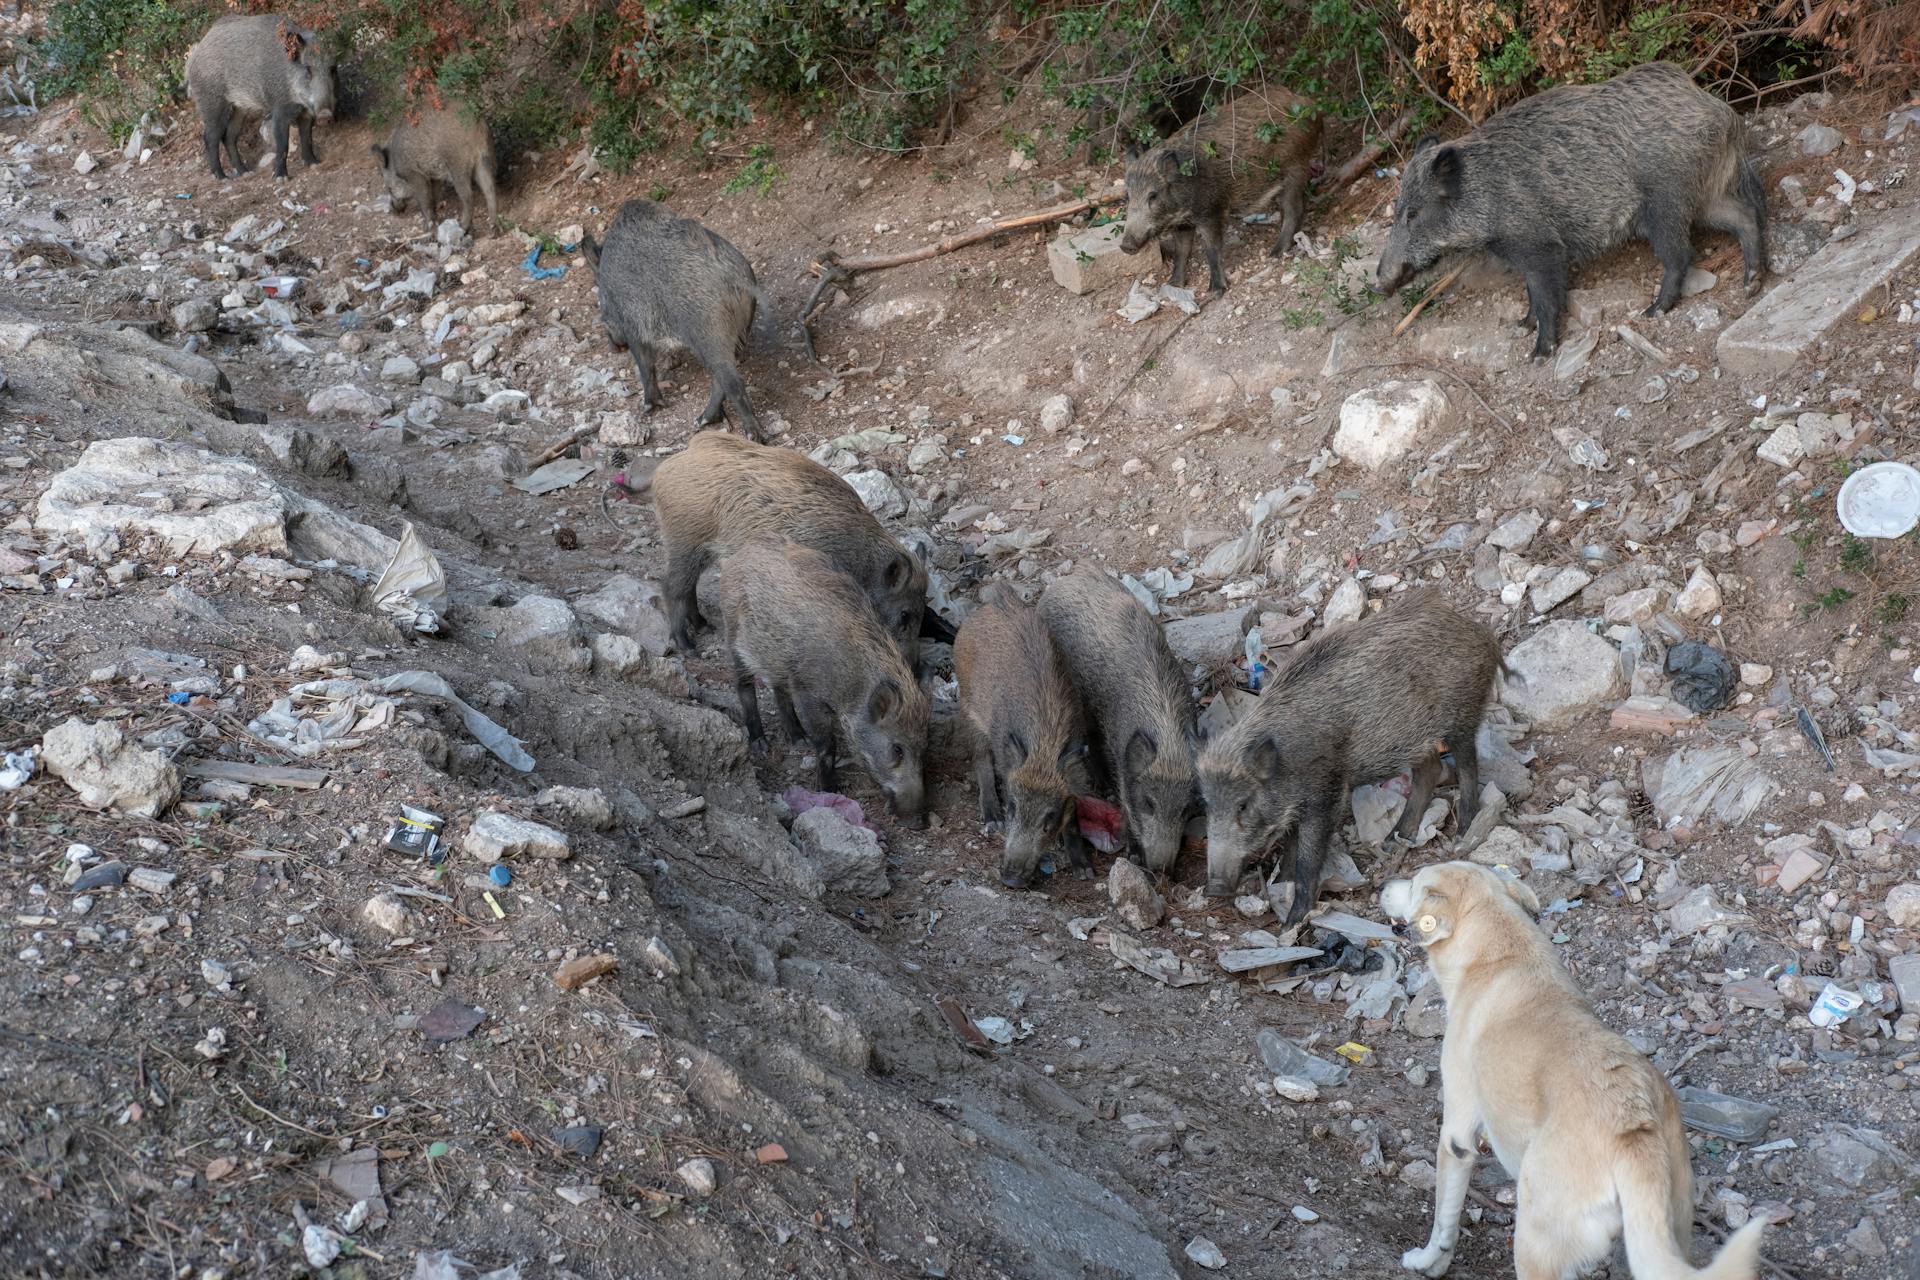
[1459, 1146]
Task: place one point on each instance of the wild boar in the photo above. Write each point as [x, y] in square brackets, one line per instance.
[795, 620]
[721, 493]
[264, 65]
[1249, 155]
[1356, 704]
[1137, 701]
[670, 284]
[438, 147]
[1029, 735]
[1568, 174]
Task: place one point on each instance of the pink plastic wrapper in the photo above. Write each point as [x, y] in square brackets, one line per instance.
[1101, 823]
[799, 800]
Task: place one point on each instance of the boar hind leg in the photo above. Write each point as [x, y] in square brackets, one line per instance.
[1667, 231]
[1426, 773]
[1310, 852]
[483, 178]
[1743, 213]
[214, 123]
[1544, 268]
[729, 400]
[463, 189]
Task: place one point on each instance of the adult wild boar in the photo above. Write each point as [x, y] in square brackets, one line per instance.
[1568, 174]
[1249, 155]
[671, 284]
[1356, 704]
[265, 65]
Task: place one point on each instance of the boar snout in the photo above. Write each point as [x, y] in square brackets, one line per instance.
[1393, 272]
[909, 805]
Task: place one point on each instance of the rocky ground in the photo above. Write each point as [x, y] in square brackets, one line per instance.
[643, 1020]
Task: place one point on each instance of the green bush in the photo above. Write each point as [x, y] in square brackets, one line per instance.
[124, 58]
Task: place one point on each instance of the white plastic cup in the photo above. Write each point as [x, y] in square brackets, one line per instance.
[1881, 500]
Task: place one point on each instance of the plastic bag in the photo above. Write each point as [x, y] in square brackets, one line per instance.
[413, 587]
[1703, 679]
[1685, 785]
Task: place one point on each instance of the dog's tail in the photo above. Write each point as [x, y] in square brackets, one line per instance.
[1653, 1237]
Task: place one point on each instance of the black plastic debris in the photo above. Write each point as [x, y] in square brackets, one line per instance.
[1811, 732]
[578, 1139]
[1703, 679]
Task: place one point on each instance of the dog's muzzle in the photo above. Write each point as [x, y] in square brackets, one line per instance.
[1400, 929]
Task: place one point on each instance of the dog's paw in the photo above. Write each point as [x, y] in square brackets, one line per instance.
[1428, 1261]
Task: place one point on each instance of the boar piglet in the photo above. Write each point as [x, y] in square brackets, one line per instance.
[1029, 735]
[1249, 155]
[1354, 705]
[438, 147]
[1138, 703]
[722, 493]
[796, 621]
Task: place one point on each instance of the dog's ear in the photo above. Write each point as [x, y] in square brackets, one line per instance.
[1517, 889]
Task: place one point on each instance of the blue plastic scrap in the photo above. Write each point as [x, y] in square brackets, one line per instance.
[537, 272]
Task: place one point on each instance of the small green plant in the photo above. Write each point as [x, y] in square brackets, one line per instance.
[1893, 608]
[659, 192]
[1855, 555]
[1329, 283]
[759, 174]
[1799, 569]
[1828, 603]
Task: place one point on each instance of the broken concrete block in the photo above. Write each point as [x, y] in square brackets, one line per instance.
[1088, 260]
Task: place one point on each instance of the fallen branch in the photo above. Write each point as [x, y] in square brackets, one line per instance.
[561, 445]
[829, 263]
[1427, 297]
[833, 269]
[1367, 155]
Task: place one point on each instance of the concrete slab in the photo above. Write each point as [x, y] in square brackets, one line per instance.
[1090, 259]
[1832, 285]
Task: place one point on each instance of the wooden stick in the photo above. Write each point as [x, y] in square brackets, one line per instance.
[830, 262]
[1427, 297]
[1365, 157]
[561, 445]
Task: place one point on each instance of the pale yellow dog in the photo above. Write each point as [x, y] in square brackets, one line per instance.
[1587, 1127]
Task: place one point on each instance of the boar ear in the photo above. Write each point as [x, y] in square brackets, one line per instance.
[1072, 753]
[1446, 170]
[883, 700]
[1132, 151]
[1426, 140]
[379, 151]
[1142, 751]
[1266, 759]
[1169, 164]
[898, 573]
